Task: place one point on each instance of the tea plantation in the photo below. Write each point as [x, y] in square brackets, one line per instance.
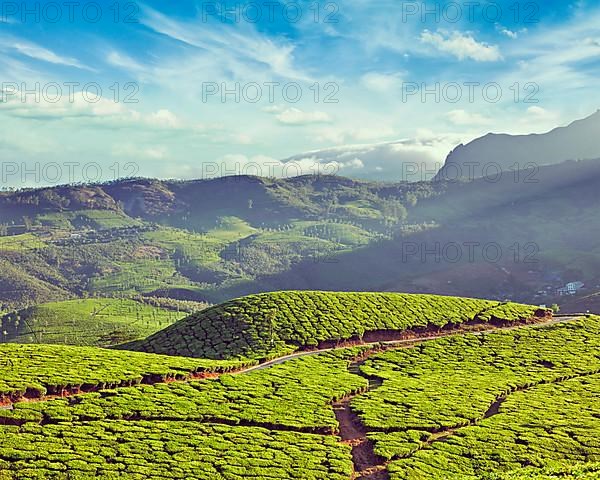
[272, 324]
[506, 405]
[95, 322]
[275, 423]
[37, 370]
[168, 450]
[295, 395]
[462, 407]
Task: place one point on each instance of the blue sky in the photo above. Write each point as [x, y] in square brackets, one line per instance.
[360, 67]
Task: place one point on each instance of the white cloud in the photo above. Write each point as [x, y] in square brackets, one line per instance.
[462, 46]
[413, 159]
[340, 136]
[381, 82]
[295, 116]
[55, 104]
[165, 119]
[36, 52]
[505, 31]
[462, 117]
[273, 109]
[91, 107]
[539, 114]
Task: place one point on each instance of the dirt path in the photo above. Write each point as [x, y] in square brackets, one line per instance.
[367, 464]
[408, 338]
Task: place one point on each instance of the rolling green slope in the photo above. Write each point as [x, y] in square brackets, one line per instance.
[91, 322]
[143, 236]
[214, 240]
[268, 324]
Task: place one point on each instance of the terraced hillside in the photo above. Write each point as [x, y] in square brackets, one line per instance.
[512, 405]
[271, 324]
[473, 407]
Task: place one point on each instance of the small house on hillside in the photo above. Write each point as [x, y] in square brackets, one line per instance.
[570, 288]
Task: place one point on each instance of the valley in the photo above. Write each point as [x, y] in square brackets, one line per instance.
[143, 238]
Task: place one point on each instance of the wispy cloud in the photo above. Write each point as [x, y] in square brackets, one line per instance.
[238, 49]
[461, 45]
[295, 116]
[124, 61]
[37, 52]
[563, 60]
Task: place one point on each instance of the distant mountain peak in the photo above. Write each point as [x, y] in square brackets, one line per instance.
[487, 154]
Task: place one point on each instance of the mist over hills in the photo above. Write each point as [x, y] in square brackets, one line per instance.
[546, 231]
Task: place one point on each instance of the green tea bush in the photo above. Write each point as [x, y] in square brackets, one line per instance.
[168, 450]
[296, 395]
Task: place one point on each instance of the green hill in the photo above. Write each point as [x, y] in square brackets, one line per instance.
[214, 240]
[269, 324]
[93, 321]
[143, 236]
